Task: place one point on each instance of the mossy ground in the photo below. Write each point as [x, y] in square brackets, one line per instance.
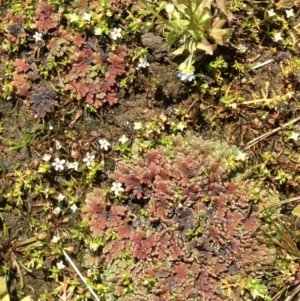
[228, 101]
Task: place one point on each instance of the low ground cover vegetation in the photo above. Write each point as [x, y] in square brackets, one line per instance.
[149, 150]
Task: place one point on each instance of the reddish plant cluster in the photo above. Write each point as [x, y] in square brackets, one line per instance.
[90, 77]
[46, 17]
[43, 100]
[194, 230]
[95, 91]
[14, 24]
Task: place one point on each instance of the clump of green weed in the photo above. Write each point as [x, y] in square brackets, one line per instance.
[194, 27]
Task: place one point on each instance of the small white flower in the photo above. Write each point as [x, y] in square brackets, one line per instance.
[58, 164]
[46, 157]
[73, 18]
[137, 126]
[115, 33]
[241, 156]
[181, 126]
[186, 77]
[143, 63]
[50, 127]
[117, 188]
[123, 139]
[38, 36]
[56, 211]
[73, 165]
[104, 144]
[289, 13]
[87, 17]
[74, 207]
[60, 265]
[57, 145]
[294, 136]
[55, 239]
[271, 13]
[277, 36]
[61, 197]
[98, 31]
[88, 159]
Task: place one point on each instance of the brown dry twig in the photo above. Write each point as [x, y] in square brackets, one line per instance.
[265, 135]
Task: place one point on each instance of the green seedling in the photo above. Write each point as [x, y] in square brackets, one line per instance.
[28, 135]
[192, 24]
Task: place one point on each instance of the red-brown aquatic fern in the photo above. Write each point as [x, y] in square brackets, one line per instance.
[73, 60]
[20, 84]
[142, 245]
[100, 90]
[104, 220]
[13, 23]
[95, 212]
[43, 100]
[45, 17]
[21, 65]
[195, 228]
[60, 42]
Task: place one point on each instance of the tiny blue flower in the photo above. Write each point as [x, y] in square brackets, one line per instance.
[185, 77]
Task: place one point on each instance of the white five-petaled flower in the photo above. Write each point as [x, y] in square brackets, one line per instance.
[277, 36]
[143, 63]
[294, 136]
[46, 157]
[55, 239]
[60, 265]
[58, 164]
[87, 17]
[88, 159]
[241, 156]
[104, 144]
[73, 207]
[186, 77]
[115, 33]
[181, 126]
[117, 188]
[61, 197]
[271, 13]
[137, 126]
[38, 36]
[123, 139]
[98, 31]
[56, 211]
[289, 13]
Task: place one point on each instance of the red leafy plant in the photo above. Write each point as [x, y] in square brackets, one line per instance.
[45, 17]
[195, 228]
[22, 73]
[14, 27]
[91, 77]
[95, 91]
[43, 100]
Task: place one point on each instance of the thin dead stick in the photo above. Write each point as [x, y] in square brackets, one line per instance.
[265, 135]
[263, 64]
[80, 275]
[296, 198]
[281, 56]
